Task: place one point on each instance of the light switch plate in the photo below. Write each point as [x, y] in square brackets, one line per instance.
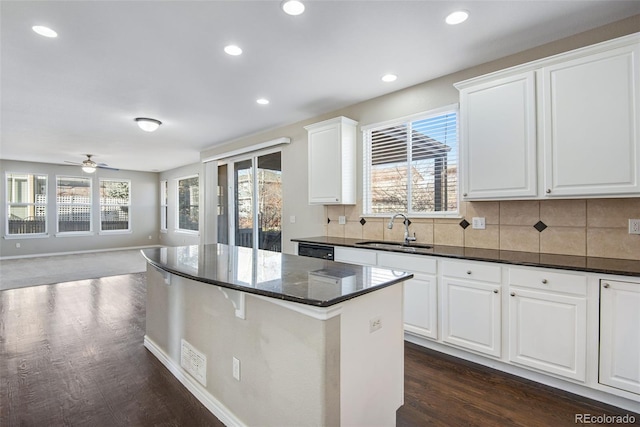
[634, 226]
[478, 223]
[342, 220]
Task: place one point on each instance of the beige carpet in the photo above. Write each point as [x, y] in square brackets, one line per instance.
[24, 272]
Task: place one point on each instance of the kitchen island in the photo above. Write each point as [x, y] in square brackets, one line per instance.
[269, 339]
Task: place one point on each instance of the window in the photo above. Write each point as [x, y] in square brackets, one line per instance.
[164, 206]
[73, 195]
[26, 204]
[411, 165]
[115, 202]
[188, 199]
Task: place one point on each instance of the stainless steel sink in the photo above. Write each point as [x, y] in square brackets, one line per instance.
[397, 246]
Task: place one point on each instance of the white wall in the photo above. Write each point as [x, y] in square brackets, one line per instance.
[144, 213]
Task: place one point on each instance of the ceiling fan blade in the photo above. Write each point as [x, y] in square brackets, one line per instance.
[73, 163]
[103, 166]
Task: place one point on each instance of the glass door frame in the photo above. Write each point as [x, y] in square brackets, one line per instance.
[231, 193]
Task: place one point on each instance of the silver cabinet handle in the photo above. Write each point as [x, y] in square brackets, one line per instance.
[464, 194]
[495, 291]
[468, 271]
[544, 281]
[513, 294]
[606, 286]
[548, 190]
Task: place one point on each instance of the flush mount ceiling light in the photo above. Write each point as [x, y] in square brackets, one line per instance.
[233, 50]
[457, 17]
[262, 101]
[292, 7]
[148, 125]
[388, 78]
[44, 31]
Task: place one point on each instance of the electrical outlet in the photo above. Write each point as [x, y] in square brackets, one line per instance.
[375, 324]
[478, 223]
[342, 220]
[236, 369]
[292, 219]
[634, 226]
[17, 245]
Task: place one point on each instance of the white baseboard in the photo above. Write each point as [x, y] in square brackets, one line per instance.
[130, 248]
[199, 392]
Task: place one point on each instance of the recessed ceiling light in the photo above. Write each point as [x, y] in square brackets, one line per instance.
[233, 50]
[148, 125]
[389, 78]
[44, 31]
[457, 17]
[262, 101]
[292, 7]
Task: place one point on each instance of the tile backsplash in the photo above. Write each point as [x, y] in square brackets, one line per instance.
[584, 227]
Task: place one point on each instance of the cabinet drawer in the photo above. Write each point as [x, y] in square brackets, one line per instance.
[472, 270]
[411, 263]
[354, 256]
[548, 280]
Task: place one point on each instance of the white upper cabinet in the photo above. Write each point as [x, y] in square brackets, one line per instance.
[591, 108]
[332, 162]
[499, 149]
[565, 126]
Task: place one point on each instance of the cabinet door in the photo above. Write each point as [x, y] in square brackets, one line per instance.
[498, 126]
[591, 129]
[354, 256]
[620, 335]
[471, 315]
[548, 332]
[420, 306]
[324, 165]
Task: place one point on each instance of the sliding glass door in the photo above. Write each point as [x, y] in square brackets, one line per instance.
[252, 216]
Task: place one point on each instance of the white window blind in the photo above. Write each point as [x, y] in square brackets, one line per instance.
[411, 165]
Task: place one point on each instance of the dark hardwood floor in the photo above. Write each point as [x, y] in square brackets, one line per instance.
[71, 354]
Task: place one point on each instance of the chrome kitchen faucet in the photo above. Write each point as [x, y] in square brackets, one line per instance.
[407, 239]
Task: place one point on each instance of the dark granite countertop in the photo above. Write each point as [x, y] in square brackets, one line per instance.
[621, 267]
[303, 280]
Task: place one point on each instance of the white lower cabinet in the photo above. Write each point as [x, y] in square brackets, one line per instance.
[548, 321]
[354, 256]
[420, 293]
[471, 313]
[620, 335]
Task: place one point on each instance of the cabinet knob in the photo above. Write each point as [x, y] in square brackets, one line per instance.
[495, 291]
[464, 194]
[469, 272]
[606, 285]
[544, 281]
[548, 190]
[513, 294]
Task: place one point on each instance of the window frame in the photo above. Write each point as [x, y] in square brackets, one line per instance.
[164, 205]
[89, 205]
[177, 224]
[43, 204]
[128, 230]
[367, 210]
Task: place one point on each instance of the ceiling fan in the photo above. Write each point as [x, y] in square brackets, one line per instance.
[89, 166]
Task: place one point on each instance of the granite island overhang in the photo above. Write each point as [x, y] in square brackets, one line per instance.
[264, 338]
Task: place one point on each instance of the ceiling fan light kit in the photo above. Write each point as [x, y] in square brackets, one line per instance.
[147, 124]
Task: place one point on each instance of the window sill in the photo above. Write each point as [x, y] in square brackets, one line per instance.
[112, 232]
[190, 232]
[75, 234]
[26, 236]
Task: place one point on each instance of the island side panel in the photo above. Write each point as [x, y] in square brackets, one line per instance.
[372, 358]
[289, 363]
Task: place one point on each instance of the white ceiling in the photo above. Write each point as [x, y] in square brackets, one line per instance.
[116, 60]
